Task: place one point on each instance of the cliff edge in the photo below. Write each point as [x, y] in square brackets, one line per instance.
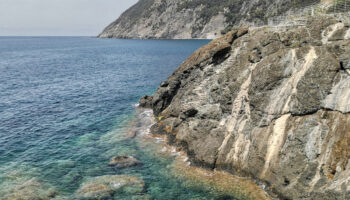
[187, 19]
[267, 104]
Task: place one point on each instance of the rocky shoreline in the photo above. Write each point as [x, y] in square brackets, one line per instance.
[267, 104]
[228, 185]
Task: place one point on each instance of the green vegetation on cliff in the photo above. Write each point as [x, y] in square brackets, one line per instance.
[257, 9]
[139, 10]
[197, 18]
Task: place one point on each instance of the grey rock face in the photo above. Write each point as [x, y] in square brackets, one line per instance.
[274, 106]
[186, 19]
[146, 102]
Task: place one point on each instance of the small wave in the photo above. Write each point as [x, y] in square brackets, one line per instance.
[164, 149]
[185, 159]
[144, 121]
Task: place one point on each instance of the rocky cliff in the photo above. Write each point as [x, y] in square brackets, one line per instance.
[267, 104]
[185, 19]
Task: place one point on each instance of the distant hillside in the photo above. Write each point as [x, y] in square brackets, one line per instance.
[185, 19]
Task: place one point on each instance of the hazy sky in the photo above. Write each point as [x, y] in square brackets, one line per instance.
[58, 17]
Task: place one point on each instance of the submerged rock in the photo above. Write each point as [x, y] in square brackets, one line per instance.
[29, 190]
[95, 191]
[141, 197]
[66, 164]
[267, 103]
[106, 187]
[124, 161]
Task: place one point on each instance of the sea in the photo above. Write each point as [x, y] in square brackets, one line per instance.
[69, 104]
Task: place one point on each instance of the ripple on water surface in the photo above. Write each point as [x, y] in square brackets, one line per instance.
[66, 108]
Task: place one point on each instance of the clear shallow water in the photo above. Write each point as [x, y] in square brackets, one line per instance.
[66, 103]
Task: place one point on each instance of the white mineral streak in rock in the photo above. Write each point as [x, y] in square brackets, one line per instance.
[347, 35]
[329, 32]
[286, 151]
[241, 102]
[324, 156]
[316, 178]
[278, 98]
[313, 149]
[298, 74]
[313, 144]
[339, 99]
[275, 141]
[230, 61]
[343, 182]
[240, 150]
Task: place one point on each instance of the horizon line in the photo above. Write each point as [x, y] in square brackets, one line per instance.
[47, 36]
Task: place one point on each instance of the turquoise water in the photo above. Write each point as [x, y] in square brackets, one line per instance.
[66, 104]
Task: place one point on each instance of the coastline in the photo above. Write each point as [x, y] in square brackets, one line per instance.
[246, 108]
[71, 121]
[182, 168]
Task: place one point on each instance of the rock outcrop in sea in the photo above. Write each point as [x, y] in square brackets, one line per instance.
[109, 186]
[267, 104]
[124, 162]
[30, 189]
[186, 19]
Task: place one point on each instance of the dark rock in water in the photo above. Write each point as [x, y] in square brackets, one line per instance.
[110, 186]
[124, 161]
[267, 103]
[146, 102]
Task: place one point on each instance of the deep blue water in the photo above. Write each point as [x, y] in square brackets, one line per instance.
[65, 100]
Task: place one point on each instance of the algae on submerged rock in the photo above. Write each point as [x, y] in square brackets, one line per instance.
[124, 161]
[29, 190]
[109, 186]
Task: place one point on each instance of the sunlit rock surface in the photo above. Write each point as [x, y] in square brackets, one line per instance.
[267, 104]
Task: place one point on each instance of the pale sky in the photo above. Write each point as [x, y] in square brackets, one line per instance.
[58, 17]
